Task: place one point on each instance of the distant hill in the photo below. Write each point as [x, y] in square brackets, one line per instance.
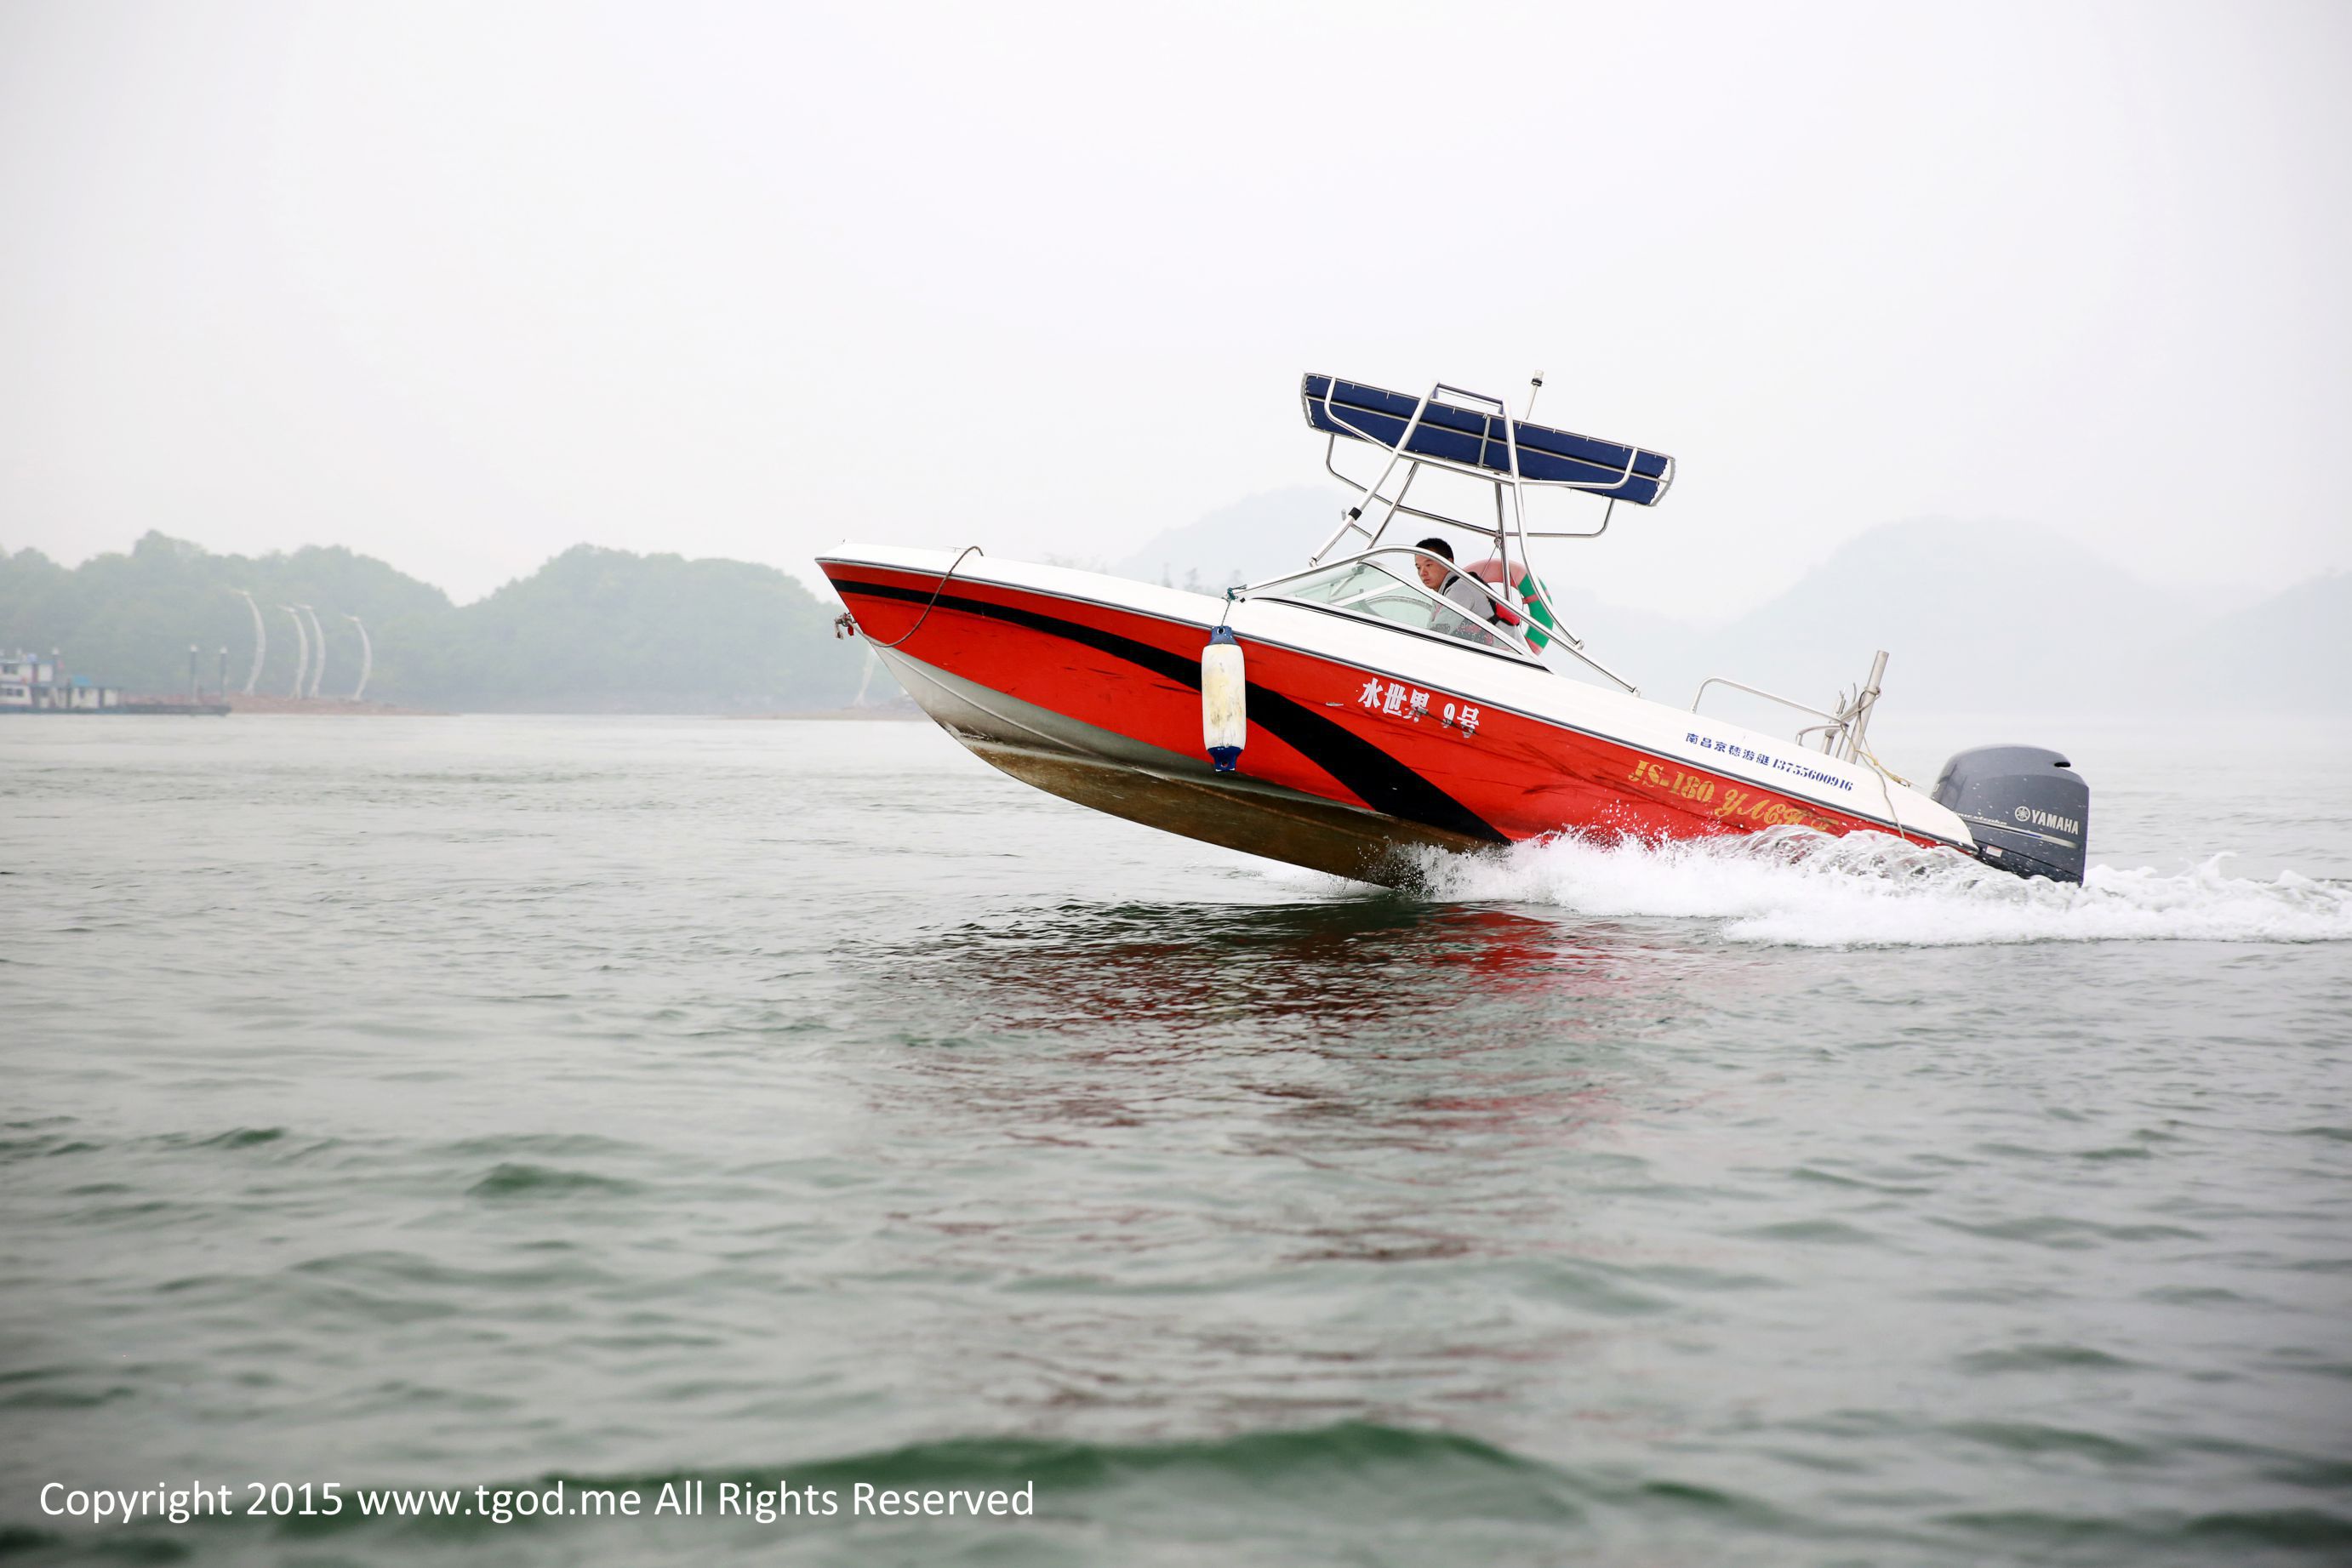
[1980, 616]
[1976, 616]
[1254, 538]
[2291, 651]
[592, 629]
[603, 628]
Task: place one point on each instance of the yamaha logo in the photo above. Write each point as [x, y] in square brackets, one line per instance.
[2023, 815]
[2047, 819]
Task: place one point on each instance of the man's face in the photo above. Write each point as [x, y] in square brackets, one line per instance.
[1433, 572]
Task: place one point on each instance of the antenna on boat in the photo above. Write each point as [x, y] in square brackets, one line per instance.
[1535, 386]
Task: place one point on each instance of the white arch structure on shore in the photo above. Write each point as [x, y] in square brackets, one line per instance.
[260, 639]
[367, 655]
[301, 649]
[318, 636]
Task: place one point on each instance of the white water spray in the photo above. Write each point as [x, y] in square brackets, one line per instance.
[1799, 888]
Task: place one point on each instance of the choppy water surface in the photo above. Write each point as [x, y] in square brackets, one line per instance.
[469, 1101]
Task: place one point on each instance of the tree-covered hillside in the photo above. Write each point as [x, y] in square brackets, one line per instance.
[592, 629]
[603, 628]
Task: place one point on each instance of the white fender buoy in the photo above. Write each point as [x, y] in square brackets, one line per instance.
[1224, 700]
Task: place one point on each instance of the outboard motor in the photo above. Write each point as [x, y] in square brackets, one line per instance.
[2028, 810]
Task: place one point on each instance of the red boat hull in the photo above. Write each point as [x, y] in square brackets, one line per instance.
[1101, 702]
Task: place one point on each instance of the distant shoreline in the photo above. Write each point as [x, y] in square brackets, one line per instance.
[905, 714]
[326, 707]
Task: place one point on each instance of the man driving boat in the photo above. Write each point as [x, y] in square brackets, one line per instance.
[1444, 580]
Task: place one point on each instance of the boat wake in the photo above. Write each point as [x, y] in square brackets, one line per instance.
[1795, 888]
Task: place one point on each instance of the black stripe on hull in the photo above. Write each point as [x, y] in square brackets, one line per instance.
[1372, 775]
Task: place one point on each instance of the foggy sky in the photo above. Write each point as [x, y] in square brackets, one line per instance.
[462, 285]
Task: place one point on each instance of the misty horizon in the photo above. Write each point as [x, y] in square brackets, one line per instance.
[457, 289]
[2111, 642]
[1151, 559]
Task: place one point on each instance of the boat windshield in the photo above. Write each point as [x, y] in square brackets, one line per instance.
[1377, 589]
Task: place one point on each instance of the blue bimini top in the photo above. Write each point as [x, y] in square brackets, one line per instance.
[1475, 440]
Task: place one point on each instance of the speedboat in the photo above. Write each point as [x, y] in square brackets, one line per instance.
[1389, 699]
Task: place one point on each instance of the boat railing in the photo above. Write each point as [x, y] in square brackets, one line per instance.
[1331, 466]
[1508, 625]
[1842, 732]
